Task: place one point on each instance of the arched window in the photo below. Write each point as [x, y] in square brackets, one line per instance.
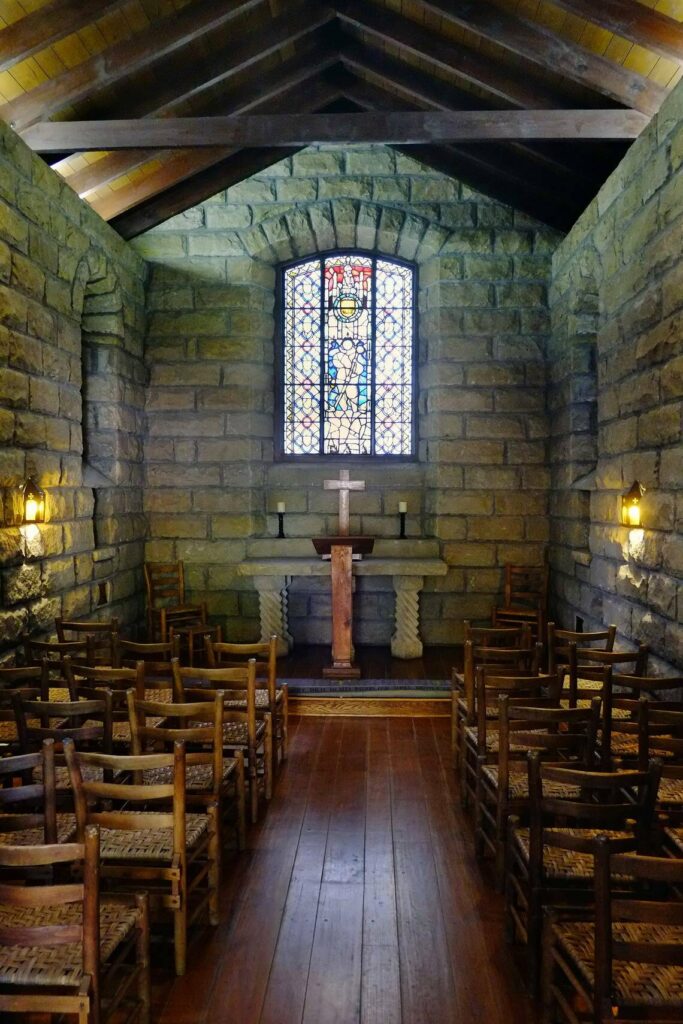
[346, 367]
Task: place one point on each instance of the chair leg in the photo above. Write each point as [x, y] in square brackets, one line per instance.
[214, 874]
[268, 758]
[142, 957]
[180, 923]
[285, 723]
[241, 803]
[252, 769]
[534, 923]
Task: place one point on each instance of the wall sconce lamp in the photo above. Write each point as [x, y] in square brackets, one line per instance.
[33, 502]
[630, 504]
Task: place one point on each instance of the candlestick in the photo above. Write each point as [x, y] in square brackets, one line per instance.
[280, 523]
[402, 517]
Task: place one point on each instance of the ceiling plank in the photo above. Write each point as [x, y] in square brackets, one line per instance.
[52, 22]
[435, 94]
[161, 39]
[183, 195]
[253, 96]
[457, 60]
[185, 164]
[409, 128]
[635, 22]
[538, 44]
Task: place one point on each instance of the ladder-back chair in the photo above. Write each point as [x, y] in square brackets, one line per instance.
[101, 634]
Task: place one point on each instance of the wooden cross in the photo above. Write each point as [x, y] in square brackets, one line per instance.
[344, 485]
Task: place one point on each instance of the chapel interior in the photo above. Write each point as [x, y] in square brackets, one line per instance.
[403, 278]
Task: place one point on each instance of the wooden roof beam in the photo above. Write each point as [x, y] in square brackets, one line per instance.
[457, 60]
[185, 164]
[41, 28]
[254, 95]
[538, 44]
[175, 31]
[410, 128]
[635, 22]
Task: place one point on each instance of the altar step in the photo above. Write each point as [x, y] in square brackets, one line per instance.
[387, 698]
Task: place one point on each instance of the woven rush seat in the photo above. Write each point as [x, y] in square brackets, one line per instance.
[633, 983]
[63, 779]
[518, 787]
[262, 700]
[565, 865]
[670, 791]
[236, 733]
[149, 844]
[675, 836]
[492, 741]
[197, 776]
[59, 965]
[66, 831]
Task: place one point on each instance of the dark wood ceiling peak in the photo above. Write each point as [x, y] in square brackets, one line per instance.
[635, 22]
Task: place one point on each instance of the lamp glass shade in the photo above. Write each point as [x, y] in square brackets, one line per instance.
[630, 504]
[34, 502]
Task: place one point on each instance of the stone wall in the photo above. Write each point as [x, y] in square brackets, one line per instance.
[479, 482]
[71, 334]
[616, 396]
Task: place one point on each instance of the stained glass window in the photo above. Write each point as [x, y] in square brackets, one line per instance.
[347, 369]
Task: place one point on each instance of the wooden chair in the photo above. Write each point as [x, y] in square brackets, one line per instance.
[502, 779]
[28, 807]
[550, 861]
[559, 640]
[80, 651]
[483, 638]
[269, 696]
[88, 681]
[661, 735]
[525, 599]
[101, 636]
[625, 963]
[166, 605]
[210, 777]
[157, 661]
[172, 855]
[242, 729]
[487, 661]
[12, 679]
[624, 692]
[65, 950]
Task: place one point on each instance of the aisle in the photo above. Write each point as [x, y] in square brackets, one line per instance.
[359, 901]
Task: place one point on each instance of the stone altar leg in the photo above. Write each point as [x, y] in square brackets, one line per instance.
[406, 642]
[272, 601]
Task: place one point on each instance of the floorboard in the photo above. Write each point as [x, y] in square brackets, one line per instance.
[358, 900]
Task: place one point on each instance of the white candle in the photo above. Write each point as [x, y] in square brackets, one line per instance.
[280, 506]
[403, 506]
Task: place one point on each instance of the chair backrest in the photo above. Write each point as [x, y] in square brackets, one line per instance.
[54, 651]
[560, 639]
[104, 677]
[622, 800]
[497, 636]
[100, 632]
[238, 684]
[24, 887]
[20, 786]
[32, 677]
[555, 732]
[513, 661]
[111, 800]
[537, 690]
[199, 725]
[526, 587]
[87, 721]
[654, 902]
[156, 656]
[235, 655]
[165, 584]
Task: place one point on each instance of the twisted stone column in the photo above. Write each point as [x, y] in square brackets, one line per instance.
[406, 642]
[272, 600]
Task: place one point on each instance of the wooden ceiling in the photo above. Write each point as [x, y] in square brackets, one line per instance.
[99, 60]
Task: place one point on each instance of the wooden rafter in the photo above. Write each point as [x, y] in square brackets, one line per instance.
[538, 44]
[127, 57]
[415, 86]
[633, 21]
[410, 128]
[254, 94]
[489, 169]
[185, 164]
[184, 194]
[45, 26]
[455, 59]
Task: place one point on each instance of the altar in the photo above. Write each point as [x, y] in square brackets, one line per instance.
[407, 562]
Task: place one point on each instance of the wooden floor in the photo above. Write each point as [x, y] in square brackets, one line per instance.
[307, 662]
[358, 901]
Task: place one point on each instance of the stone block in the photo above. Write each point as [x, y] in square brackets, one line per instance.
[660, 426]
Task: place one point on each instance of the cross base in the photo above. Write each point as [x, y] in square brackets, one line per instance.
[341, 672]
